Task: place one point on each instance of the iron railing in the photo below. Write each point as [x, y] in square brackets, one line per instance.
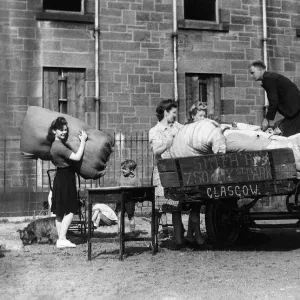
[24, 185]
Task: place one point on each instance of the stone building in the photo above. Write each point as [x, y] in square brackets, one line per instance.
[48, 59]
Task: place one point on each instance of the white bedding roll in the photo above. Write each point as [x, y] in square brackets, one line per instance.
[292, 142]
[98, 147]
[199, 138]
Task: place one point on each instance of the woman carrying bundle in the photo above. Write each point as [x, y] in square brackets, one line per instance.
[64, 198]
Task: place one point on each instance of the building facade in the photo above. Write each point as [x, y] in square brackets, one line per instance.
[48, 59]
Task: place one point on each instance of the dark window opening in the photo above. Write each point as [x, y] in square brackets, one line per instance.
[206, 89]
[63, 5]
[201, 10]
[64, 91]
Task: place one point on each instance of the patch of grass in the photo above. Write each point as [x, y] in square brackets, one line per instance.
[3, 221]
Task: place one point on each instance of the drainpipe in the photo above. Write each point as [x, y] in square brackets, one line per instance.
[97, 91]
[265, 53]
[175, 37]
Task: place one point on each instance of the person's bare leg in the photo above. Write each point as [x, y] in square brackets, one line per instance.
[98, 219]
[178, 228]
[195, 220]
[190, 231]
[133, 232]
[65, 224]
[132, 224]
[95, 215]
[58, 221]
[49, 202]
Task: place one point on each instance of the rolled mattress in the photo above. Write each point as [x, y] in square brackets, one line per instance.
[34, 141]
[199, 138]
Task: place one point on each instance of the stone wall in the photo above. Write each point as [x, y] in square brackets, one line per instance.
[229, 53]
[136, 60]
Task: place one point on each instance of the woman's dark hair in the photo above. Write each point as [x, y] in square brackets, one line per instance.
[164, 105]
[192, 113]
[58, 123]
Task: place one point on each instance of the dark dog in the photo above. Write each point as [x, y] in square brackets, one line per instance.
[40, 231]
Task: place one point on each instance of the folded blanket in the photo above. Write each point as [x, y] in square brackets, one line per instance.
[34, 141]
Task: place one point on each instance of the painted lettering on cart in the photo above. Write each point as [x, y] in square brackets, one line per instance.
[232, 191]
[227, 175]
[230, 160]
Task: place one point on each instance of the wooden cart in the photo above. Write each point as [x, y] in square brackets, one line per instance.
[219, 181]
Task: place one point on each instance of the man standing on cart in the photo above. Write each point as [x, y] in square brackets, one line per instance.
[283, 96]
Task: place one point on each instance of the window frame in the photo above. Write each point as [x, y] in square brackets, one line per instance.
[217, 14]
[220, 25]
[213, 82]
[82, 12]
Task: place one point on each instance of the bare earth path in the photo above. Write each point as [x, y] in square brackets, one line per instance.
[266, 267]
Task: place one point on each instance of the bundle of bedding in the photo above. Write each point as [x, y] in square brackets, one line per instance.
[208, 137]
[240, 140]
[34, 142]
[199, 138]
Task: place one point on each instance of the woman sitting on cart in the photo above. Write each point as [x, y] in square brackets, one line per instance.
[197, 113]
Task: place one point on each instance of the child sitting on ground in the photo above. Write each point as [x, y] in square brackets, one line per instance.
[128, 178]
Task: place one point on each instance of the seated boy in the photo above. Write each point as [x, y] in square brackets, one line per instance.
[128, 178]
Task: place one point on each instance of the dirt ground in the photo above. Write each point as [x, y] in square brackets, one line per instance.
[267, 266]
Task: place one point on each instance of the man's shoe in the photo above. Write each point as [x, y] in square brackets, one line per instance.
[181, 246]
[64, 244]
[204, 246]
[190, 239]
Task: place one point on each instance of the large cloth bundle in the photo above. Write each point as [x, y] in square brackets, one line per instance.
[293, 142]
[199, 138]
[238, 141]
[34, 141]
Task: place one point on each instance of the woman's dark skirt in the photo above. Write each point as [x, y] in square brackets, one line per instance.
[64, 193]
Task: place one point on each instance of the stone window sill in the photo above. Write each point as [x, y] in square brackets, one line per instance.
[202, 25]
[65, 17]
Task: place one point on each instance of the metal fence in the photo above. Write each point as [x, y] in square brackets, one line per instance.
[24, 184]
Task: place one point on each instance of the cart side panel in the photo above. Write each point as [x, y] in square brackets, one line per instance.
[238, 167]
[284, 163]
[241, 174]
[169, 172]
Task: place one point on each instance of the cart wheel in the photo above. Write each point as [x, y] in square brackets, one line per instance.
[221, 227]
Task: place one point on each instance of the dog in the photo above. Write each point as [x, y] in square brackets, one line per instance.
[39, 231]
